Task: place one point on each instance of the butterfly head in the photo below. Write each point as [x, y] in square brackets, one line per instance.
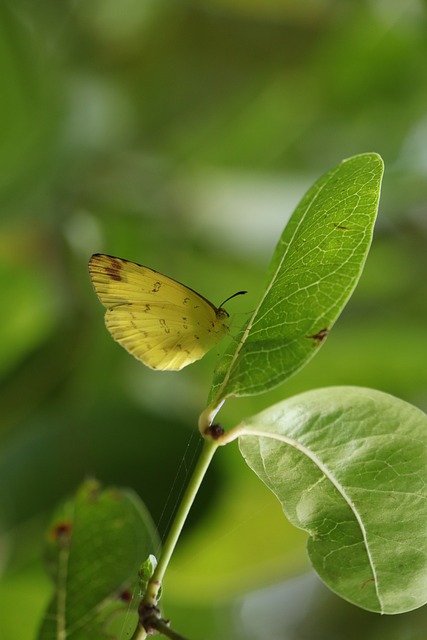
[222, 314]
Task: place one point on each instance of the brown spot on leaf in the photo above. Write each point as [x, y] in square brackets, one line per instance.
[320, 335]
[62, 530]
[363, 585]
[156, 287]
[340, 226]
[125, 595]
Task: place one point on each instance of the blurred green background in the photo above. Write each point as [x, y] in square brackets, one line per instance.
[181, 135]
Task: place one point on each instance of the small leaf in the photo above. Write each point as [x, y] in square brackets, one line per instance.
[349, 466]
[145, 572]
[95, 546]
[313, 272]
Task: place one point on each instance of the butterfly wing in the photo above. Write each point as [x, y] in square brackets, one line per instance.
[158, 320]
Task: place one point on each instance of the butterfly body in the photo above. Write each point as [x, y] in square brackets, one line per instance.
[163, 323]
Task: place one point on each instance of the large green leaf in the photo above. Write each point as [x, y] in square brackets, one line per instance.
[96, 544]
[313, 272]
[349, 466]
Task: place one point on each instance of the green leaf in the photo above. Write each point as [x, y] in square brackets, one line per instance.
[95, 546]
[313, 272]
[145, 572]
[349, 466]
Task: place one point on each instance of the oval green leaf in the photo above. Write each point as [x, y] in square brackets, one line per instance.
[313, 272]
[96, 544]
[349, 466]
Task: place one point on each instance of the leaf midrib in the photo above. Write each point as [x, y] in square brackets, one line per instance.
[273, 280]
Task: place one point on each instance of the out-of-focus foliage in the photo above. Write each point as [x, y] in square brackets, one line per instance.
[181, 135]
[94, 550]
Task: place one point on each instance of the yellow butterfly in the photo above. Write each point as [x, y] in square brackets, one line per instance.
[158, 320]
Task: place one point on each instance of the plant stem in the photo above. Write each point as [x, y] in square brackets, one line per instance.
[166, 631]
[152, 591]
[139, 633]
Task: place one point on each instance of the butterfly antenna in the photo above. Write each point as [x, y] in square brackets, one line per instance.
[239, 293]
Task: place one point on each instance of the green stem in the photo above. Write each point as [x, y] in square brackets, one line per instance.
[152, 591]
[166, 631]
[139, 633]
